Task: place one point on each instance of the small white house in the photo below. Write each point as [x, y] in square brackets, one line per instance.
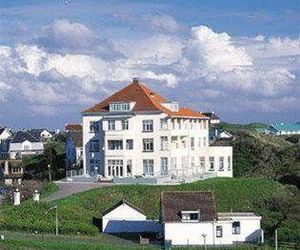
[23, 143]
[191, 218]
[125, 218]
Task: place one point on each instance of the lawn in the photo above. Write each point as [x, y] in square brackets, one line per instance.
[20, 241]
[78, 213]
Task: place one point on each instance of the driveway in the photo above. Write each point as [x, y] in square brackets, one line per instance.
[69, 188]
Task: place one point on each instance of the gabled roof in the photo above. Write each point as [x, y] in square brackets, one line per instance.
[173, 202]
[76, 137]
[119, 203]
[37, 132]
[145, 100]
[21, 136]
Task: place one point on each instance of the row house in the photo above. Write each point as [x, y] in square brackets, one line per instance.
[137, 132]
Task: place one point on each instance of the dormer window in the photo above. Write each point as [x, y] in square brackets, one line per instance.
[121, 106]
[173, 106]
[190, 216]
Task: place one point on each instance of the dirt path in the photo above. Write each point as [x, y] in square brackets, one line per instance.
[69, 188]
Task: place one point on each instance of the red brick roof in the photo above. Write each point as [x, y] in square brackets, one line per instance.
[145, 100]
[174, 202]
[73, 127]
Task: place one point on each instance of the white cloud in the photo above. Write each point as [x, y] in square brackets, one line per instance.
[162, 22]
[217, 51]
[257, 72]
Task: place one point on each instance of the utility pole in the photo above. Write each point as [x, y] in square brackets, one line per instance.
[56, 220]
[49, 172]
[276, 240]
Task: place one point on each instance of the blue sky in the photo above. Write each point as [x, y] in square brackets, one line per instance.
[238, 58]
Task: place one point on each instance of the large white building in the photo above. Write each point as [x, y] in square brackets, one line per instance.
[136, 132]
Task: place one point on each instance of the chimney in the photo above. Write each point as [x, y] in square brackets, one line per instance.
[135, 80]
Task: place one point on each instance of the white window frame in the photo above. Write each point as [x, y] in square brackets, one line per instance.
[115, 167]
[147, 125]
[115, 144]
[129, 144]
[221, 163]
[164, 144]
[111, 125]
[164, 166]
[125, 124]
[148, 145]
[148, 167]
[211, 163]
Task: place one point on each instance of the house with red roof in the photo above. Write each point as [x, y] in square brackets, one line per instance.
[137, 134]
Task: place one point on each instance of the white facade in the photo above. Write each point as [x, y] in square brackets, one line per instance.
[178, 146]
[126, 219]
[121, 213]
[228, 229]
[25, 148]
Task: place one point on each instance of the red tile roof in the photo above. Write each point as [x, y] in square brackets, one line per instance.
[145, 100]
[73, 127]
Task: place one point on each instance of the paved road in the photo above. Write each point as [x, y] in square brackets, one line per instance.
[68, 188]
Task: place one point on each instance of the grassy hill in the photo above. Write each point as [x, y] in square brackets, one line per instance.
[77, 213]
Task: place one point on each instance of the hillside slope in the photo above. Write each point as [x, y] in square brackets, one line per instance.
[77, 213]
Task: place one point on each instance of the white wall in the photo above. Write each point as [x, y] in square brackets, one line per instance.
[5, 135]
[189, 233]
[123, 212]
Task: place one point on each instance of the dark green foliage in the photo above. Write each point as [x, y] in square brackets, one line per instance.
[268, 156]
[36, 167]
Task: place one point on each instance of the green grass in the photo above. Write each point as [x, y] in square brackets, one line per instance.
[20, 241]
[77, 212]
[48, 189]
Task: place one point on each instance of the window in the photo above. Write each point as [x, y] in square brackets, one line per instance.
[184, 161]
[202, 162]
[174, 162]
[219, 231]
[173, 124]
[115, 167]
[179, 124]
[199, 142]
[26, 147]
[111, 125]
[148, 126]
[115, 144]
[228, 163]
[163, 124]
[163, 143]
[191, 124]
[192, 143]
[164, 166]
[204, 141]
[204, 124]
[119, 107]
[191, 216]
[148, 145]
[94, 126]
[94, 146]
[148, 166]
[125, 124]
[129, 167]
[211, 163]
[129, 144]
[221, 163]
[236, 227]
[200, 125]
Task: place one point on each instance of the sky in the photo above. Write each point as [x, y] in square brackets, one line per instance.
[240, 59]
